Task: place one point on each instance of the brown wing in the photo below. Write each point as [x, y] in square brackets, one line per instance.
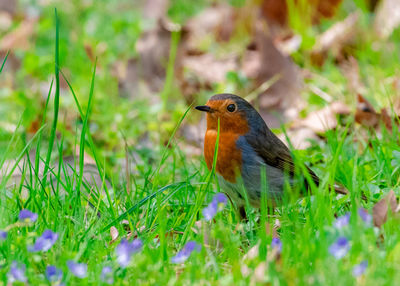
[274, 153]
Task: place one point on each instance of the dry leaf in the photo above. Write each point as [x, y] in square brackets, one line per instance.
[208, 68]
[19, 38]
[252, 253]
[351, 71]
[259, 273]
[114, 234]
[387, 17]
[324, 119]
[333, 40]
[276, 11]
[365, 113]
[299, 137]
[284, 94]
[5, 21]
[381, 208]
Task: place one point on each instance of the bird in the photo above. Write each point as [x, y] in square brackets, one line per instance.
[246, 148]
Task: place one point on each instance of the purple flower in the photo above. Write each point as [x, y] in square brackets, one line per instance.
[107, 275]
[44, 242]
[342, 221]
[340, 247]
[186, 251]
[78, 269]
[276, 243]
[359, 269]
[53, 274]
[17, 273]
[125, 249]
[3, 235]
[211, 210]
[27, 215]
[365, 216]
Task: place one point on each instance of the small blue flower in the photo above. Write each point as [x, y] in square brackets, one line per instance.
[125, 249]
[44, 242]
[27, 215]
[78, 269]
[276, 243]
[342, 221]
[359, 269]
[107, 275]
[17, 273]
[3, 235]
[186, 251]
[53, 274]
[365, 216]
[211, 210]
[340, 247]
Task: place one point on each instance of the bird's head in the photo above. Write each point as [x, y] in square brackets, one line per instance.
[234, 113]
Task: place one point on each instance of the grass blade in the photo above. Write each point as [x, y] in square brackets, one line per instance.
[56, 102]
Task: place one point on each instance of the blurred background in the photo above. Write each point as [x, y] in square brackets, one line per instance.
[309, 65]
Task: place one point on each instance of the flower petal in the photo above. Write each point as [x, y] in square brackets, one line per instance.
[186, 251]
[27, 215]
[340, 247]
[359, 269]
[53, 274]
[78, 269]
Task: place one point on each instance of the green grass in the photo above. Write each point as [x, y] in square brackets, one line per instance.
[161, 200]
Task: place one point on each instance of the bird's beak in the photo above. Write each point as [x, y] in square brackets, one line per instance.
[205, 108]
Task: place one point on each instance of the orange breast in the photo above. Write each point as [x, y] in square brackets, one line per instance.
[229, 157]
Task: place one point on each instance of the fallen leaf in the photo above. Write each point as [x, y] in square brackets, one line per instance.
[155, 9]
[367, 116]
[114, 234]
[19, 37]
[351, 71]
[284, 94]
[387, 17]
[333, 40]
[324, 119]
[300, 137]
[208, 68]
[276, 12]
[252, 253]
[259, 273]
[381, 209]
[207, 23]
[5, 21]
[365, 112]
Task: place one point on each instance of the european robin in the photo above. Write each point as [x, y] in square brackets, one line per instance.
[246, 148]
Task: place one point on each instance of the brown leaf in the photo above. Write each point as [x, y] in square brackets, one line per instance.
[114, 234]
[367, 116]
[324, 119]
[381, 209]
[284, 94]
[387, 17]
[351, 71]
[299, 137]
[208, 68]
[276, 12]
[5, 21]
[333, 40]
[365, 113]
[19, 38]
[260, 273]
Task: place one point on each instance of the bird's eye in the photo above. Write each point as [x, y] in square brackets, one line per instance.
[231, 107]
